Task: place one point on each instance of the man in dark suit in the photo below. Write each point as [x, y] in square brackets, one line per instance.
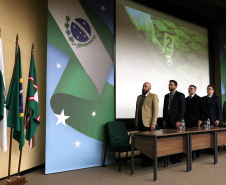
[224, 112]
[193, 114]
[174, 107]
[211, 106]
[173, 112]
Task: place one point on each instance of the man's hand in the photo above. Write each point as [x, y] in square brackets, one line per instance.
[217, 122]
[199, 123]
[177, 124]
[152, 127]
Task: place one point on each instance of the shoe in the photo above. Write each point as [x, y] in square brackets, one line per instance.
[179, 161]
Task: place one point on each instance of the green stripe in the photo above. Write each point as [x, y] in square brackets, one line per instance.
[101, 28]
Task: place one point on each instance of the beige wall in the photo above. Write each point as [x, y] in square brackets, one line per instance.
[28, 18]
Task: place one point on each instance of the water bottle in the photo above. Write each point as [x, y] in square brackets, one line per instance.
[208, 123]
[182, 125]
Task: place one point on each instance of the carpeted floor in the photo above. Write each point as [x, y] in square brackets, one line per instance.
[203, 173]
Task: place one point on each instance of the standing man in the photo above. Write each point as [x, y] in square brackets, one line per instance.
[173, 112]
[147, 107]
[193, 114]
[174, 107]
[211, 106]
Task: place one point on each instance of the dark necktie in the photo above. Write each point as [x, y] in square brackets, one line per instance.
[208, 99]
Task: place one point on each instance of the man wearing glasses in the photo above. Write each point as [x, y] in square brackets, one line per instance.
[211, 106]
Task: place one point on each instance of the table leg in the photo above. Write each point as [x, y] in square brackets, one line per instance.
[166, 162]
[132, 154]
[188, 153]
[155, 160]
[215, 148]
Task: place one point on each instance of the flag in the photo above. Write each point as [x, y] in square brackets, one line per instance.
[79, 98]
[93, 51]
[14, 103]
[3, 118]
[32, 116]
[77, 86]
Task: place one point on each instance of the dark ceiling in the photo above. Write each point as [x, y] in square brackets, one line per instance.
[215, 9]
[212, 9]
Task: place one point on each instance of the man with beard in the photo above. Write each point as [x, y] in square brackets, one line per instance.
[146, 109]
[173, 111]
[174, 107]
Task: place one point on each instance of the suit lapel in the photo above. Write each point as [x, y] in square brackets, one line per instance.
[174, 97]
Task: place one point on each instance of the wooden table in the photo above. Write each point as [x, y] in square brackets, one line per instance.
[201, 138]
[165, 142]
[160, 143]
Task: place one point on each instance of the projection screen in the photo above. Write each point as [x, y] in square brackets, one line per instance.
[155, 47]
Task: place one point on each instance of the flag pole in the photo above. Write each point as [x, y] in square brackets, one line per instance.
[18, 174]
[11, 130]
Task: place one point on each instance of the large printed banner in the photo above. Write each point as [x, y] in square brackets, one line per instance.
[80, 82]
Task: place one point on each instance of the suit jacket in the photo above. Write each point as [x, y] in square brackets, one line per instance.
[224, 112]
[150, 110]
[177, 108]
[193, 111]
[212, 110]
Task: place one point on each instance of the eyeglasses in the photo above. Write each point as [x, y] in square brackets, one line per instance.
[209, 89]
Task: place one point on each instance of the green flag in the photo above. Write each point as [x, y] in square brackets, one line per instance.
[32, 116]
[14, 103]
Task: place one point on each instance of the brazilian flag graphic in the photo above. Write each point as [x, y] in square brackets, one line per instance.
[82, 100]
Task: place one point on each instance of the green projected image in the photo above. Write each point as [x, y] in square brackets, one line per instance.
[155, 47]
[168, 36]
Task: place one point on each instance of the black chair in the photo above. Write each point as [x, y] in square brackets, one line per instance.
[117, 140]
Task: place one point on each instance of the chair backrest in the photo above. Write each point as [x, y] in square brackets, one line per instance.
[118, 130]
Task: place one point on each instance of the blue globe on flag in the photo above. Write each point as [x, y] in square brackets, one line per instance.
[80, 30]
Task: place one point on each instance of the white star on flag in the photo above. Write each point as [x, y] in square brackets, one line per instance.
[36, 96]
[102, 8]
[61, 118]
[58, 65]
[77, 144]
[93, 114]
